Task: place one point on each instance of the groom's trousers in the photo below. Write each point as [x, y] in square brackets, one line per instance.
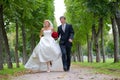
[66, 56]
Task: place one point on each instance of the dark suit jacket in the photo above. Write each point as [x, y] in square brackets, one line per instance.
[65, 36]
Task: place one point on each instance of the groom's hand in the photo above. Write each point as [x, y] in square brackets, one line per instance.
[70, 40]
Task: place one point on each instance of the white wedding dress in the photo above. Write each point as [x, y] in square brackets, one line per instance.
[46, 50]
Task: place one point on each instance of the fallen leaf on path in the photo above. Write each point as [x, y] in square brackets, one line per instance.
[81, 78]
[62, 76]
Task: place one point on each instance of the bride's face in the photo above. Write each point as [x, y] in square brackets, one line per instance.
[46, 24]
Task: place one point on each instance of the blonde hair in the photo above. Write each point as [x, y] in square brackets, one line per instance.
[50, 23]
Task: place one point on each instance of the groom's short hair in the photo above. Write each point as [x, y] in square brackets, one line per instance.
[62, 17]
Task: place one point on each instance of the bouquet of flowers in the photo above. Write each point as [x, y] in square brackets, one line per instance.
[55, 35]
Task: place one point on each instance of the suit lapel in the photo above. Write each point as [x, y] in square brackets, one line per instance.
[66, 27]
[61, 28]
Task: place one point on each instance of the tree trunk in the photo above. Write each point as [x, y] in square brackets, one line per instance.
[102, 40]
[79, 58]
[16, 47]
[89, 47]
[96, 42]
[91, 50]
[9, 62]
[117, 17]
[116, 40]
[1, 38]
[97, 49]
[74, 57]
[1, 52]
[80, 55]
[24, 44]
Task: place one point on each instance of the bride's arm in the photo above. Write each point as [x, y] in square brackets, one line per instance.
[41, 32]
[53, 30]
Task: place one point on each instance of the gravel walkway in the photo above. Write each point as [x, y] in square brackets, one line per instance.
[76, 73]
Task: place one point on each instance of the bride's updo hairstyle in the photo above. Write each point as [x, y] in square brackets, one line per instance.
[50, 23]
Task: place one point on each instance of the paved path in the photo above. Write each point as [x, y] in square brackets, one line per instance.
[76, 73]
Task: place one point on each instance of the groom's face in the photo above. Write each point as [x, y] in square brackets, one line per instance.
[62, 20]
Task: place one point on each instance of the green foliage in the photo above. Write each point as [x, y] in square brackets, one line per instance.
[109, 48]
[82, 14]
[99, 8]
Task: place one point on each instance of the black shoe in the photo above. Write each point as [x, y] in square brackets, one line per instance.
[68, 68]
[65, 69]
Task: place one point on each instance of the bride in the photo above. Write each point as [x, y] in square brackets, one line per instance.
[47, 54]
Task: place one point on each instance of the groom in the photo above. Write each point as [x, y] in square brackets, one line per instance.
[66, 33]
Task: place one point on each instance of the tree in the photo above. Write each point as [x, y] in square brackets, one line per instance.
[116, 40]
[1, 42]
[115, 31]
[16, 46]
[9, 62]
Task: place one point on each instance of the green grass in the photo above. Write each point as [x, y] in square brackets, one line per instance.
[106, 68]
[5, 73]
